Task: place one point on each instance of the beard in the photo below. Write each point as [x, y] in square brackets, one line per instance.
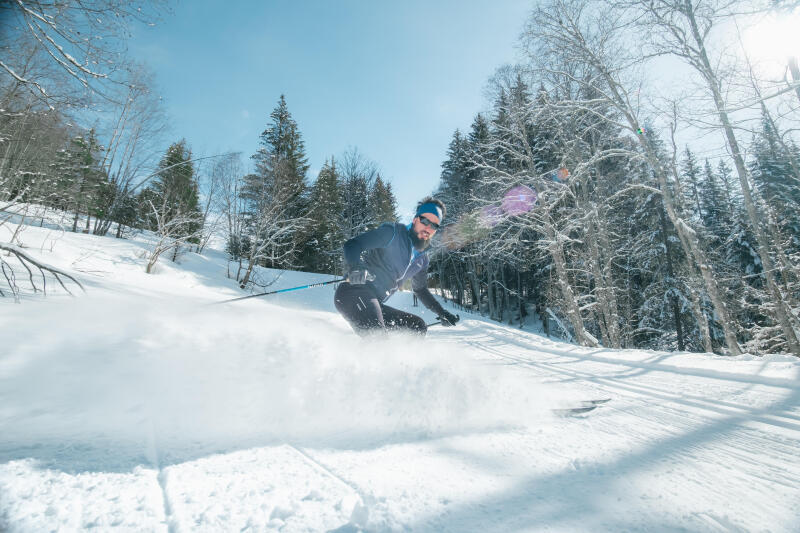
[419, 244]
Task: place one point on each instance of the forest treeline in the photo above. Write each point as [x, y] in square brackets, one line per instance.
[115, 177]
[635, 241]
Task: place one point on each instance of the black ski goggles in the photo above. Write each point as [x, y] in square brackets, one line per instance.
[428, 222]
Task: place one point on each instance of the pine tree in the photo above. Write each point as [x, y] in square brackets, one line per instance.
[547, 145]
[279, 182]
[728, 188]
[777, 181]
[382, 203]
[79, 181]
[478, 155]
[324, 238]
[691, 173]
[715, 215]
[501, 131]
[174, 194]
[125, 212]
[452, 184]
[519, 101]
[281, 159]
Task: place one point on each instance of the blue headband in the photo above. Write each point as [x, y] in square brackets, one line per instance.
[431, 208]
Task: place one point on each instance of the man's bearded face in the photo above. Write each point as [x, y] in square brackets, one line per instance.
[422, 234]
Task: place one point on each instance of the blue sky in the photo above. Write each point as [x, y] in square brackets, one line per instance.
[393, 79]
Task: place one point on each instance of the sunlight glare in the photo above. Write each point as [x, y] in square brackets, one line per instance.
[774, 38]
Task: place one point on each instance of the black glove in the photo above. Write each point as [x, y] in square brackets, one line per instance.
[448, 319]
[359, 277]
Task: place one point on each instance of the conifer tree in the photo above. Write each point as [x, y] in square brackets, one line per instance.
[715, 214]
[777, 181]
[281, 160]
[544, 131]
[478, 153]
[170, 206]
[500, 129]
[173, 195]
[324, 238]
[279, 185]
[455, 165]
[728, 188]
[691, 173]
[78, 179]
[382, 203]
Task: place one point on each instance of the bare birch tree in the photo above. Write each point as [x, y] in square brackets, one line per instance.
[133, 142]
[171, 231]
[561, 29]
[269, 233]
[682, 28]
[82, 42]
[357, 176]
[509, 158]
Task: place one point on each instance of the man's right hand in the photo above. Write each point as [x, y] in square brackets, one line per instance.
[359, 277]
[448, 319]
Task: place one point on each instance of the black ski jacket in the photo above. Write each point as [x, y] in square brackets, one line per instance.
[388, 254]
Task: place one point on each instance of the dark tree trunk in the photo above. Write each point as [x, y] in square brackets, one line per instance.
[676, 310]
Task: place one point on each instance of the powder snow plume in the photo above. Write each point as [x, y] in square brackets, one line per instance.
[246, 375]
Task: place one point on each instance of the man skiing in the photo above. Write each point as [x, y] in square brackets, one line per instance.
[378, 261]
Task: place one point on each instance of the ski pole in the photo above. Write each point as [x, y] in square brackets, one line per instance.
[283, 290]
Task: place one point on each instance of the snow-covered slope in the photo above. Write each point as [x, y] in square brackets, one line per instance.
[141, 407]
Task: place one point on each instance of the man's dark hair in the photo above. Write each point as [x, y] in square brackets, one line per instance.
[432, 200]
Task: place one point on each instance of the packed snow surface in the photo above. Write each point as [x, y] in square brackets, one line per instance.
[145, 406]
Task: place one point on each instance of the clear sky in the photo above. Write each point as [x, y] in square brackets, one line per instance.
[394, 79]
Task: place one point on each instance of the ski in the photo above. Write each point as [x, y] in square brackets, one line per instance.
[572, 411]
[597, 402]
[588, 405]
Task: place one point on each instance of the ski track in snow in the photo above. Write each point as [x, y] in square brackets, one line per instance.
[140, 408]
[745, 429]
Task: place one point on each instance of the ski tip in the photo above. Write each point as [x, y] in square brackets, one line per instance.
[598, 402]
[574, 410]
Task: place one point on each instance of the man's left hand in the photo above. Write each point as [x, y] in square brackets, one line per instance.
[448, 319]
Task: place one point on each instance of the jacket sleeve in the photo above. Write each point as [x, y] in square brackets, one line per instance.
[420, 285]
[376, 238]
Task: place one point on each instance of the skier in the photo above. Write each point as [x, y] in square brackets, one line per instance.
[378, 261]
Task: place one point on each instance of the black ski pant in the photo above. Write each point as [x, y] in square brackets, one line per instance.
[366, 314]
